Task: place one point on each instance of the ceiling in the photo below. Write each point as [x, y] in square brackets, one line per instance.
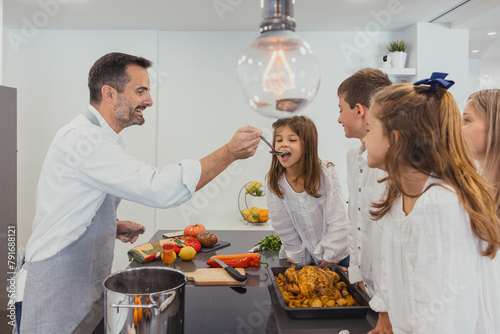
[480, 16]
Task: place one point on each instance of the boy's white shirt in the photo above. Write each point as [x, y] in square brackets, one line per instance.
[365, 234]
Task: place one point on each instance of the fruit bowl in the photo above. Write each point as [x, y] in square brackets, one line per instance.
[255, 189]
[255, 215]
[252, 204]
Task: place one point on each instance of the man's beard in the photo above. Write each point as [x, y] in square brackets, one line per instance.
[125, 113]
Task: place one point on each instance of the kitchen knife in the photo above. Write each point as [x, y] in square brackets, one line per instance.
[231, 270]
[132, 233]
[255, 249]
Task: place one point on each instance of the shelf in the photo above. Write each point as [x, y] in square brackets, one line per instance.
[399, 72]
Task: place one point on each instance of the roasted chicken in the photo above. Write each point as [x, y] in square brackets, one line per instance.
[313, 281]
[313, 287]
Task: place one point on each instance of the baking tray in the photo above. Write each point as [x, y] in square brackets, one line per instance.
[359, 310]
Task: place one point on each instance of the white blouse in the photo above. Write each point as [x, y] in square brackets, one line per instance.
[434, 279]
[311, 229]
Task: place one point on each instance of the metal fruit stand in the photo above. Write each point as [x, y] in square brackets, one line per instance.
[249, 200]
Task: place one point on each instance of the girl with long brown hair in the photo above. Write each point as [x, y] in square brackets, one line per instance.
[481, 127]
[440, 272]
[304, 199]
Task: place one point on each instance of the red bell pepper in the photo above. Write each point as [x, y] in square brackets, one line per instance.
[251, 261]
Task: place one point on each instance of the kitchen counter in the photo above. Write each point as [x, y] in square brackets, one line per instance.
[247, 309]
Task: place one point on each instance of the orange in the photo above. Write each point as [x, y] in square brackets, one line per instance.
[263, 215]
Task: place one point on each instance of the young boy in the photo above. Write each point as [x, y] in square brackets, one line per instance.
[365, 235]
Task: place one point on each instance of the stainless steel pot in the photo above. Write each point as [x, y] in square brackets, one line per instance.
[145, 300]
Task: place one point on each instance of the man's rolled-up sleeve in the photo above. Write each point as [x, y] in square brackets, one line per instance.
[191, 173]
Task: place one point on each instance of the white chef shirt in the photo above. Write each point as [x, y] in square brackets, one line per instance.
[365, 234]
[308, 226]
[434, 279]
[84, 163]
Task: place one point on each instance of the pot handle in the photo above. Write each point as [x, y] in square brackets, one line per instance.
[162, 307]
[168, 300]
[120, 305]
[134, 306]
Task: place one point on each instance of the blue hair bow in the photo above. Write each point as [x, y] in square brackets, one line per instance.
[436, 81]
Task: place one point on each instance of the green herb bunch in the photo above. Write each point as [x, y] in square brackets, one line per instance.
[398, 45]
[271, 242]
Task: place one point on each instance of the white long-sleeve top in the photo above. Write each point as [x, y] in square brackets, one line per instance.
[311, 229]
[434, 279]
[365, 234]
[84, 163]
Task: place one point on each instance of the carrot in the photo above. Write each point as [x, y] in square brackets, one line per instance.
[236, 256]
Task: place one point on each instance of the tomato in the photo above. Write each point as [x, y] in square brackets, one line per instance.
[186, 241]
[194, 230]
[207, 239]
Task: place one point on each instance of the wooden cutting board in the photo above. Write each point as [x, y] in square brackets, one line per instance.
[214, 276]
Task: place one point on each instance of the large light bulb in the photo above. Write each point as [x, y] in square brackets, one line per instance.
[278, 73]
[278, 76]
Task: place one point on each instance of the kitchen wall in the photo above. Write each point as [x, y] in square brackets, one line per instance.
[197, 109]
[489, 70]
[474, 74]
[452, 49]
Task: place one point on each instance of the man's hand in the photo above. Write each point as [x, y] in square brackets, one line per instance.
[244, 143]
[128, 231]
[383, 324]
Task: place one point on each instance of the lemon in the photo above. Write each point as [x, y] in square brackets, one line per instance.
[187, 253]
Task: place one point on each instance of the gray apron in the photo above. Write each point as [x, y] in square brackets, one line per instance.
[61, 289]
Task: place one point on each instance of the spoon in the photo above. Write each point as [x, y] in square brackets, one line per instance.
[274, 152]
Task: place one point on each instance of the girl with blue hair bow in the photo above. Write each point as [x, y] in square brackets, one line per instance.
[440, 265]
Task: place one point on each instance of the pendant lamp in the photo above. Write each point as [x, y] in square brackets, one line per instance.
[278, 73]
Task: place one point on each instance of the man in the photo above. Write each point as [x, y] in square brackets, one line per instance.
[362, 182]
[84, 176]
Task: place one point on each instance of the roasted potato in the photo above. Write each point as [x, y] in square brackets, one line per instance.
[316, 303]
[330, 303]
[341, 301]
[351, 301]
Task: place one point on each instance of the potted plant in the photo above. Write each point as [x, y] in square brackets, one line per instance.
[397, 51]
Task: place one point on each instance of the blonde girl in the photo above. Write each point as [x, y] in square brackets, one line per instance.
[481, 127]
[304, 199]
[440, 268]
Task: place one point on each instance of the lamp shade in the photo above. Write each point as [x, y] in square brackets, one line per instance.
[278, 73]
